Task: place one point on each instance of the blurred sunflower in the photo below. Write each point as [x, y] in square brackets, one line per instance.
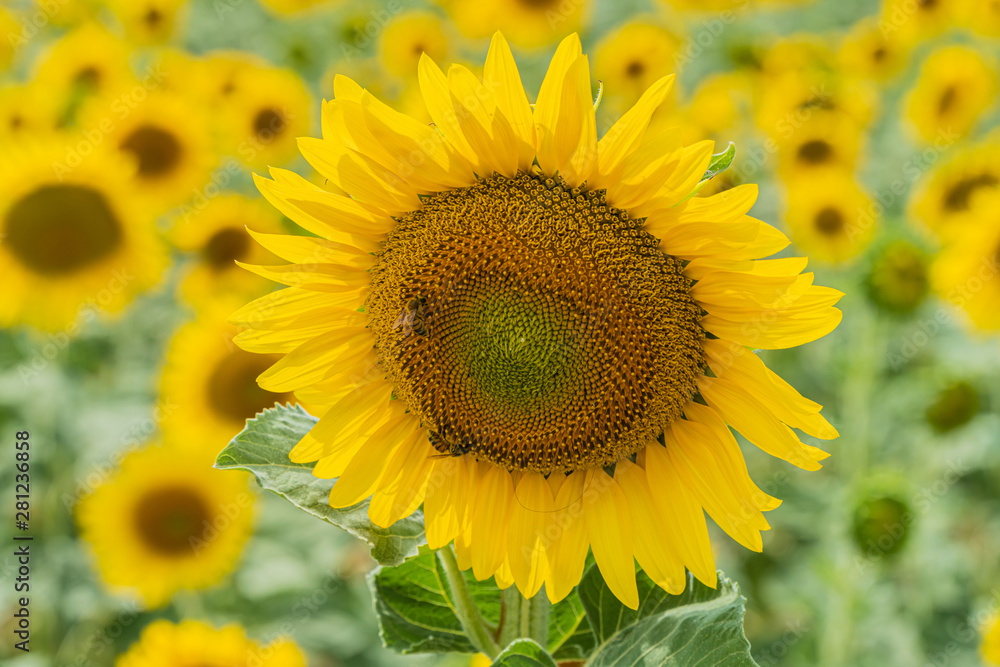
[868, 52]
[898, 280]
[955, 87]
[633, 57]
[166, 521]
[89, 60]
[966, 271]
[265, 112]
[216, 235]
[26, 110]
[73, 235]
[525, 329]
[720, 106]
[407, 37]
[528, 23]
[292, 7]
[829, 215]
[983, 16]
[946, 193]
[990, 648]
[226, 73]
[172, 159]
[11, 29]
[192, 643]
[149, 21]
[789, 99]
[823, 140]
[210, 384]
[913, 21]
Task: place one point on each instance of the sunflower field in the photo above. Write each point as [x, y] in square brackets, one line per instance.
[527, 333]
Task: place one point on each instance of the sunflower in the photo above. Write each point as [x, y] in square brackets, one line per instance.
[292, 7]
[913, 21]
[149, 21]
[216, 235]
[720, 105]
[967, 271]
[264, 112]
[956, 86]
[788, 100]
[172, 160]
[409, 36]
[948, 192]
[868, 52]
[208, 384]
[633, 57]
[983, 17]
[990, 648]
[166, 521]
[87, 61]
[540, 308]
[191, 643]
[829, 215]
[26, 110]
[528, 23]
[825, 139]
[898, 280]
[74, 240]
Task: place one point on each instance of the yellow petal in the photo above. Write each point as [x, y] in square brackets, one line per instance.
[489, 520]
[437, 97]
[751, 418]
[501, 76]
[314, 360]
[488, 132]
[682, 516]
[344, 421]
[447, 500]
[526, 541]
[609, 528]
[361, 476]
[288, 308]
[654, 547]
[764, 329]
[309, 250]
[403, 486]
[569, 548]
[345, 88]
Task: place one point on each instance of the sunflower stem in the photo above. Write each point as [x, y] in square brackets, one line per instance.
[525, 617]
[465, 607]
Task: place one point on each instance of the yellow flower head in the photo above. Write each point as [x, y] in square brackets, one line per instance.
[912, 21]
[195, 644]
[215, 233]
[87, 61]
[956, 85]
[528, 23]
[407, 37]
[967, 271]
[166, 521]
[149, 21]
[74, 239]
[829, 216]
[822, 140]
[26, 110]
[209, 386]
[943, 197]
[633, 57]
[540, 306]
[263, 112]
[172, 159]
[868, 52]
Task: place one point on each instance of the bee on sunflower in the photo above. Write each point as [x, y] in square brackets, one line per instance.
[579, 334]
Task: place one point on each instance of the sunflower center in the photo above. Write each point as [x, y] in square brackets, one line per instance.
[829, 221]
[225, 247]
[233, 391]
[153, 18]
[947, 100]
[534, 326]
[268, 123]
[59, 229]
[158, 151]
[957, 198]
[816, 151]
[171, 520]
[635, 69]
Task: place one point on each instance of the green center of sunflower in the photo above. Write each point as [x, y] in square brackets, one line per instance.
[534, 326]
[157, 150]
[59, 229]
[171, 520]
[233, 392]
[225, 247]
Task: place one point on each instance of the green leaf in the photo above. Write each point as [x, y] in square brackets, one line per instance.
[702, 626]
[524, 653]
[570, 636]
[719, 162]
[415, 611]
[263, 447]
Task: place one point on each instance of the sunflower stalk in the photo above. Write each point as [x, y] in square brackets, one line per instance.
[468, 615]
[524, 618]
